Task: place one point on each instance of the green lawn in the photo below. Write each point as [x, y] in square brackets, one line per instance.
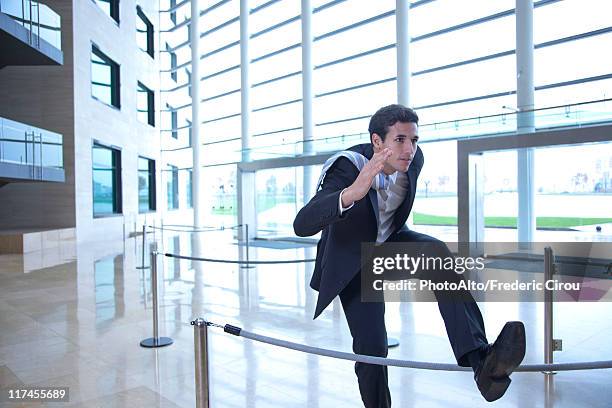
[541, 222]
[265, 202]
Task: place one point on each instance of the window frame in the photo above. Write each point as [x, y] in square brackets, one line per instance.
[174, 177]
[150, 103]
[150, 32]
[114, 10]
[173, 121]
[117, 198]
[173, 63]
[152, 186]
[115, 79]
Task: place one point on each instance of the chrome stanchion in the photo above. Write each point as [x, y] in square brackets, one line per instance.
[155, 341]
[163, 243]
[200, 342]
[144, 244]
[247, 265]
[550, 344]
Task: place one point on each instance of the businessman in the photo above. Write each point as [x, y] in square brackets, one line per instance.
[365, 194]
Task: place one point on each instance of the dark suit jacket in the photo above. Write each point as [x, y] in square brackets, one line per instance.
[339, 249]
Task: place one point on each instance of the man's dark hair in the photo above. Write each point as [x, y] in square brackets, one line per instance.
[388, 116]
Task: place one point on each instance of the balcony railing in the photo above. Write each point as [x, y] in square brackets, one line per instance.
[30, 146]
[37, 18]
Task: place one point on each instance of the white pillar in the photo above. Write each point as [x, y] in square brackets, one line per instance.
[402, 12]
[245, 84]
[196, 186]
[307, 96]
[402, 48]
[525, 90]
[245, 187]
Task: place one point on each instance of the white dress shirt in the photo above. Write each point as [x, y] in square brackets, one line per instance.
[396, 193]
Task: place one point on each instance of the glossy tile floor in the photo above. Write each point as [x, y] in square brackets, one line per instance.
[74, 316]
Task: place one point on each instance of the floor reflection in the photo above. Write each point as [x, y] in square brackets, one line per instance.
[78, 323]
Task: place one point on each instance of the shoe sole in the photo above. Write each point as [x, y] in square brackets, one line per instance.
[494, 388]
[507, 358]
[512, 353]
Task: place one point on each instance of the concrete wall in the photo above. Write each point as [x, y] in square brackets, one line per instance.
[118, 127]
[59, 99]
[42, 96]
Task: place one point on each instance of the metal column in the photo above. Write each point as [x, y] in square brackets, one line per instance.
[307, 97]
[525, 90]
[200, 340]
[245, 185]
[402, 12]
[196, 185]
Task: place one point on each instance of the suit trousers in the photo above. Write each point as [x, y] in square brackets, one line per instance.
[366, 321]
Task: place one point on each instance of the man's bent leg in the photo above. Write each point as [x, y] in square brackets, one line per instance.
[462, 319]
[366, 321]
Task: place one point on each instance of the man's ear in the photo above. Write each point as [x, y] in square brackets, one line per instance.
[376, 140]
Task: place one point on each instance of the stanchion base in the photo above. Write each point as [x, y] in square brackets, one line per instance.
[143, 267]
[247, 267]
[392, 342]
[153, 342]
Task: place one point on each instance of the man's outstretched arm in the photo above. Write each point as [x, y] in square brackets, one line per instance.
[342, 177]
[323, 208]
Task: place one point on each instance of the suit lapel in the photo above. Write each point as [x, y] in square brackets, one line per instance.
[368, 152]
[401, 214]
[373, 196]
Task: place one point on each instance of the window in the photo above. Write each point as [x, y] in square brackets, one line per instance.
[104, 78]
[144, 32]
[146, 185]
[172, 187]
[173, 121]
[173, 64]
[110, 7]
[190, 188]
[173, 13]
[106, 180]
[190, 133]
[188, 81]
[146, 105]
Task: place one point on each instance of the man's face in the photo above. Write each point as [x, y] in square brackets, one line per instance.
[402, 140]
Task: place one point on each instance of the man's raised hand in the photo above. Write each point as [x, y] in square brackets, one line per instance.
[363, 182]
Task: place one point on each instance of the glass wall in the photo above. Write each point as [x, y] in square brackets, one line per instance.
[24, 144]
[574, 192]
[463, 84]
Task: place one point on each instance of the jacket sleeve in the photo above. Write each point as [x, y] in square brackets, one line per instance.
[322, 210]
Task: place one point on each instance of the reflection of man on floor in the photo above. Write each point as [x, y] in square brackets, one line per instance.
[365, 195]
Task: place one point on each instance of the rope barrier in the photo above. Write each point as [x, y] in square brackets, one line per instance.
[237, 331]
[205, 229]
[193, 258]
[191, 226]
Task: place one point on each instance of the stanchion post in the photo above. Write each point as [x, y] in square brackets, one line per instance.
[246, 234]
[155, 341]
[200, 342]
[549, 265]
[163, 243]
[144, 244]
[246, 227]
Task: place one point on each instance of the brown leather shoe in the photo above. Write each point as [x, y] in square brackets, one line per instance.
[501, 359]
